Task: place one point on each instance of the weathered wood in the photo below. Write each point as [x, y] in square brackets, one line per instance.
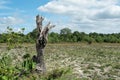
[39, 22]
[41, 43]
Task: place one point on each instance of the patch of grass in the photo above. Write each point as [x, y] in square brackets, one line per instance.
[63, 61]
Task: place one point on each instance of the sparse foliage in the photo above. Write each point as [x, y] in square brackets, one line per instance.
[14, 39]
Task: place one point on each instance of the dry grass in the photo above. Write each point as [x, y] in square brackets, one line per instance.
[95, 61]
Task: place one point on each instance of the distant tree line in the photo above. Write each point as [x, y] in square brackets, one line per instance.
[65, 35]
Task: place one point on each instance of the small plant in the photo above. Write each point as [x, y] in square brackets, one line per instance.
[58, 74]
[7, 72]
[28, 64]
[14, 39]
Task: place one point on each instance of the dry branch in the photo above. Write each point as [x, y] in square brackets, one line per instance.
[41, 43]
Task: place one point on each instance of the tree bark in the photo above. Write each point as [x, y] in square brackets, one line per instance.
[41, 43]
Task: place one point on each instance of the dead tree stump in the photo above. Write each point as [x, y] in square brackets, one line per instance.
[41, 43]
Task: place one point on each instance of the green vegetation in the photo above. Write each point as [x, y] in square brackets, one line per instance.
[65, 35]
[68, 61]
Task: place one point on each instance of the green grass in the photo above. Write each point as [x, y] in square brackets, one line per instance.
[68, 61]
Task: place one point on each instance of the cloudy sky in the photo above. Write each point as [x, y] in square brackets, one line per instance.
[101, 16]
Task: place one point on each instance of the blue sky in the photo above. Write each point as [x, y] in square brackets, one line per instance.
[19, 13]
[102, 16]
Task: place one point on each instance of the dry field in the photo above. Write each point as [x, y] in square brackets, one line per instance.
[85, 61]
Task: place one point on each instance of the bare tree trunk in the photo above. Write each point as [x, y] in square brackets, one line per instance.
[41, 43]
[40, 67]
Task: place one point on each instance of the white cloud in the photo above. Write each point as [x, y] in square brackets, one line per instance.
[87, 15]
[9, 21]
[110, 12]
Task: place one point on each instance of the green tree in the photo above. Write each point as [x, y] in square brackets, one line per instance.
[75, 36]
[65, 31]
[65, 34]
[53, 37]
